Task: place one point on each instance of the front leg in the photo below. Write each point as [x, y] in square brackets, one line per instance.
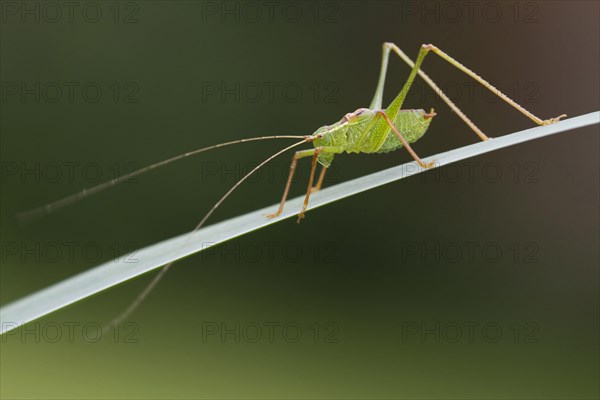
[303, 154]
[297, 155]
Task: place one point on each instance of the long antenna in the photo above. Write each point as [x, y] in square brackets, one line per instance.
[39, 212]
[140, 298]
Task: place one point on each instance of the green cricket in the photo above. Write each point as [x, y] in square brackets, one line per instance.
[377, 130]
[366, 130]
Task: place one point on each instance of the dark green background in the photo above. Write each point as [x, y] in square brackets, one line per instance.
[359, 283]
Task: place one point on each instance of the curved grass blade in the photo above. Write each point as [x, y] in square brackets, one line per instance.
[149, 258]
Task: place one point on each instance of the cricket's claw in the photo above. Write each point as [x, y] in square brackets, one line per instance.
[553, 120]
[300, 217]
[427, 165]
[274, 215]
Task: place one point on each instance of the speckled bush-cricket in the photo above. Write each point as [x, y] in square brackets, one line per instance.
[366, 130]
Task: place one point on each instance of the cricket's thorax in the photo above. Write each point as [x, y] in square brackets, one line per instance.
[365, 131]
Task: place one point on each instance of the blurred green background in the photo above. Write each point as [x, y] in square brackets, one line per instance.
[478, 280]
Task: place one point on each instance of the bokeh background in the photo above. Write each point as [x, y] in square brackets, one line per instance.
[478, 280]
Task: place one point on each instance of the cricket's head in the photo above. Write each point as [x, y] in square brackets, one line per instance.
[413, 123]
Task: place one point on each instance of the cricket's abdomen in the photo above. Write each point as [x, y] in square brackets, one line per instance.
[366, 131]
[412, 124]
